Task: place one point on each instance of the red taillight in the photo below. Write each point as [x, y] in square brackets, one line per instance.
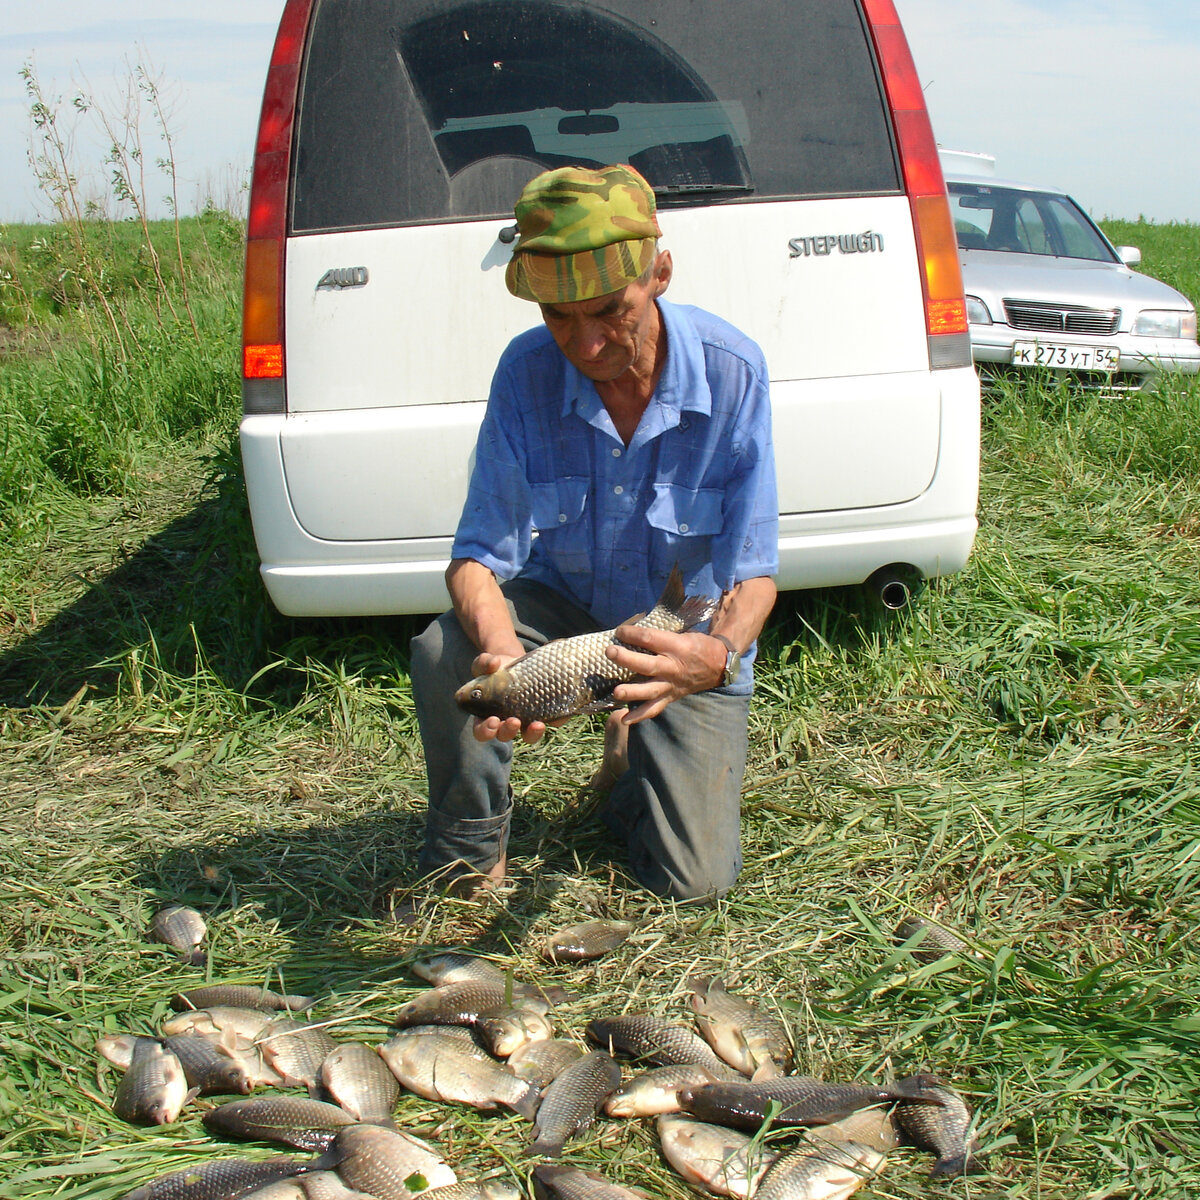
[266, 227]
[941, 279]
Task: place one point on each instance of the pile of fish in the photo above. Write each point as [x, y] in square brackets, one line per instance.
[731, 1119]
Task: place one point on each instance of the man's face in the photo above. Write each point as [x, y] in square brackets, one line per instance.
[606, 336]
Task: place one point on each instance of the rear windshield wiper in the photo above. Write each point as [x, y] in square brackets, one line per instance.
[690, 189]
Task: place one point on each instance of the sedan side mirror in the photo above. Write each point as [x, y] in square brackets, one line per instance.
[1129, 255]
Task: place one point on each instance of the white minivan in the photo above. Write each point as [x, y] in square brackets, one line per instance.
[799, 192]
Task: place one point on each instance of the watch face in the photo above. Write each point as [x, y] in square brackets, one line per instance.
[733, 664]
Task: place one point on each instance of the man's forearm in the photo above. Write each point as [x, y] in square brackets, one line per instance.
[481, 609]
[743, 610]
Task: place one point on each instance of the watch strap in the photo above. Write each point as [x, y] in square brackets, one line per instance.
[733, 659]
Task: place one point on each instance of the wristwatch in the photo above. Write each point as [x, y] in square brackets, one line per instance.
[733, 659]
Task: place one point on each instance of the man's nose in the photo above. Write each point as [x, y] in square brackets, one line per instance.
[589, 338]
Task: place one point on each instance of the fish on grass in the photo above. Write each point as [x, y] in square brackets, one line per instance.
[182, 929]
[831, 1171]
[154, 1088]
[208, 1067]
[219, 1179]
[752, 1041]
[931, 941]
[292, 1120]
[945, 1130]
[651, 1039]
[796, 1100]
[237, 995]
[586, 941]
[720, 1160]
[557, 1181]
[572, 1101]
[451, 1069]
[385, 1163]
[570, 676]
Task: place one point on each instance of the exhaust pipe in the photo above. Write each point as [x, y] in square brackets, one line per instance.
[894, 585]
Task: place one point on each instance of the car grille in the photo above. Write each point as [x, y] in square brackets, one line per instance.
[1061, 318]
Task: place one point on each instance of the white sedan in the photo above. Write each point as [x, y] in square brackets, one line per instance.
[1045, 288]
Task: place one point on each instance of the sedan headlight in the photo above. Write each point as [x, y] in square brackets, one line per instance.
[977, 312]
[1165, 323]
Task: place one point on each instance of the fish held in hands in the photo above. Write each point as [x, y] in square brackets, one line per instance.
[573, 675]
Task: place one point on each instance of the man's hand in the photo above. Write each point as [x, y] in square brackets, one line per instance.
[675, 665]
[488, 728]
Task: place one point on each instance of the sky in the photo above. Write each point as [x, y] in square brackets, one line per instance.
[1097, 97]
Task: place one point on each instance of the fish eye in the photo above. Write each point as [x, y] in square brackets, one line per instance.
[477, 693]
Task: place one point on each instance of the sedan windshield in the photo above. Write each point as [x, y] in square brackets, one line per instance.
[1000, 218]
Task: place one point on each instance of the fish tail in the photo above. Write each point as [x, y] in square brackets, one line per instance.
[527, 1106]
[547, 1147]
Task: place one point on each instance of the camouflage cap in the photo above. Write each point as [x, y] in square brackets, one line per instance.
[582, 233]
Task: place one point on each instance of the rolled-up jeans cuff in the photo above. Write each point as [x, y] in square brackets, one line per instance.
[454, 846]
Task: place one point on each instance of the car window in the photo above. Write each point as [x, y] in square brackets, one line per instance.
[413, 112]
[988, 217]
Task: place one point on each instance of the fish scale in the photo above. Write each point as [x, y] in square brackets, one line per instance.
[573, 675]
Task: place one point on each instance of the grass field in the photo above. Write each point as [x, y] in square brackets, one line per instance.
[1014, 756]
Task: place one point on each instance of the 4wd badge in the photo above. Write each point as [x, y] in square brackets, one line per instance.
[343, 277]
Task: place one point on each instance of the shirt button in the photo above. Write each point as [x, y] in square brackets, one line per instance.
[618, 490]
[562, 517]
[616, 452]
[683, 527]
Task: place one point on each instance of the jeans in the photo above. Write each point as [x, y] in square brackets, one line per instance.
[677, 808]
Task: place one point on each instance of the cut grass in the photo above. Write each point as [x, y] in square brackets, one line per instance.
[1014, 756]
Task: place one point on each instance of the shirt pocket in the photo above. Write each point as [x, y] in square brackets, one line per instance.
[684, 512]
[683, 523]
[558, 504]
[563, 536]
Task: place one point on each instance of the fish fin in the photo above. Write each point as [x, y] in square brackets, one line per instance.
[767, 1069]
[527, 1105]
[196, 957]
[672, 595]
[694, 610]
[547, 1148]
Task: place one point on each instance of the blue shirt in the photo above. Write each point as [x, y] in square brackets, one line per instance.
[695, 486]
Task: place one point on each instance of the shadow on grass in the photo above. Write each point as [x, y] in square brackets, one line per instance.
[321, 887]
[190, 599]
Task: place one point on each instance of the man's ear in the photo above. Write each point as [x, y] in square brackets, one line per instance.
[663, 269]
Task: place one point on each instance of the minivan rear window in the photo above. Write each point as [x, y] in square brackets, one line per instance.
[412, 112]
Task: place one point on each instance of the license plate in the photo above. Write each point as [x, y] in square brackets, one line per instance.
[1066, 358]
